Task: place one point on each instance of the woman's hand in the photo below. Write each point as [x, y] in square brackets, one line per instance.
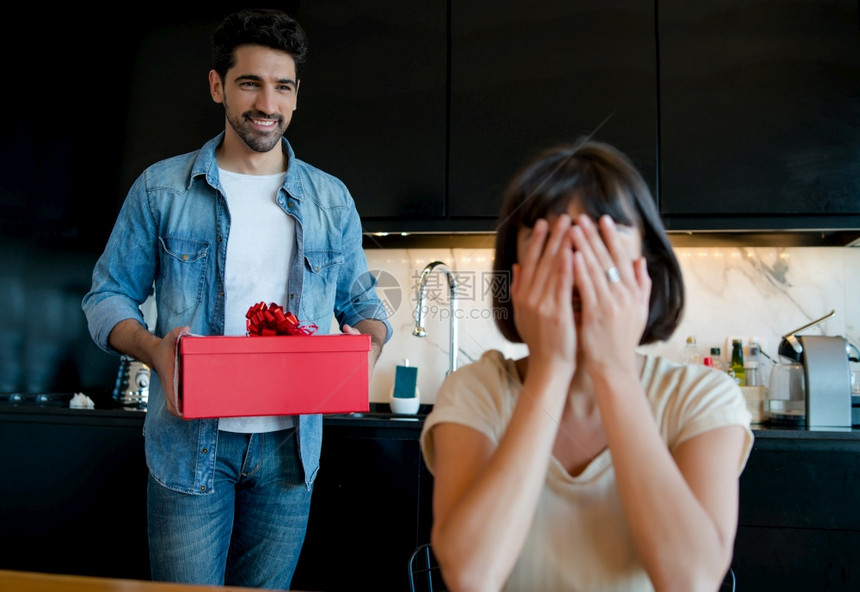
[541, 291]
[614, 287]
[485, 493]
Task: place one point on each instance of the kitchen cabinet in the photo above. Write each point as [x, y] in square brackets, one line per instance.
[741, 115]
[526, 76]
[372, 103]
[759, 104]
[798, 525]
[74, 498]
[371, 507]
[73, 493]
[74, 501]
[374, 106]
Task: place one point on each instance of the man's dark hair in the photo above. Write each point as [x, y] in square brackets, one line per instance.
[258, 26]
[603, 181]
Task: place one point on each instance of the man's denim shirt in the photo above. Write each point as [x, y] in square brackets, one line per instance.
[172, 231]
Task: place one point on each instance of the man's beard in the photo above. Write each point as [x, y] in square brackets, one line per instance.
[256, 140]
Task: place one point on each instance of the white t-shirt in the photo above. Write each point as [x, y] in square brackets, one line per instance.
[579, 539]
[259, 248]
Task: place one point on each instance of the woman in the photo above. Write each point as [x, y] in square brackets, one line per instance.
[585, 465]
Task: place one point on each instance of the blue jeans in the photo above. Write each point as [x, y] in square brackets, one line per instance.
[248, 531]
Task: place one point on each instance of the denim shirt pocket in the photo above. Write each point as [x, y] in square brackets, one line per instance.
[320, 284]
[183, 272]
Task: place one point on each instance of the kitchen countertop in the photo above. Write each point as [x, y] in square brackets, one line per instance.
[53, 408]
[378, 416]
[762, 431]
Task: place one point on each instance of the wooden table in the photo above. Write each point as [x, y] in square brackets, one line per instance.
[21, 581]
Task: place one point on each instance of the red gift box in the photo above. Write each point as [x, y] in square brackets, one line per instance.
[240, 376]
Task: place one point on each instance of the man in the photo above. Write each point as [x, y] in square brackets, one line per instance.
[239, 221]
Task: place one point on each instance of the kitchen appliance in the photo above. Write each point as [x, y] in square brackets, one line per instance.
[131, 388]
[828, 381]
[785, 398]
[826, 385]
[855, 397]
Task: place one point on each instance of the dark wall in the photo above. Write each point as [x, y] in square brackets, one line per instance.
[91, 99]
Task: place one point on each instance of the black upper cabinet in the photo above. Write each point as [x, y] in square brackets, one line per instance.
[526, 76]
[427, 109]
[372, 103]
[760, 114]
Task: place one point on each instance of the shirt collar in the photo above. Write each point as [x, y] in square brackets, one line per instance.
[206, 165]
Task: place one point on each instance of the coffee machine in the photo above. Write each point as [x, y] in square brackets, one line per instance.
[828, 381]
[827, 376]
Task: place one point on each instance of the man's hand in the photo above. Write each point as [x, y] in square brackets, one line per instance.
[132, 339]
[377, 331]
[165, 364]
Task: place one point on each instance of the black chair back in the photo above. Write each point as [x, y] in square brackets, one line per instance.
[424, 572]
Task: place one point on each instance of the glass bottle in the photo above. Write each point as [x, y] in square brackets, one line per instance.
[737, 363]
[751, 367]
[691, 352]
[717, 359]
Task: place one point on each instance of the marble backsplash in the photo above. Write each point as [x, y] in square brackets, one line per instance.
[760, 292]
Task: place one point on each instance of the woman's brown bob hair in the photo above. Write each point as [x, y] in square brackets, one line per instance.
[603, 181]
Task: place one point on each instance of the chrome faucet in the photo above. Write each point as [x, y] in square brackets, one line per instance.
[419, 330]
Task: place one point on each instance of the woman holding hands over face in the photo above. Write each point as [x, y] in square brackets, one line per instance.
[585, 465]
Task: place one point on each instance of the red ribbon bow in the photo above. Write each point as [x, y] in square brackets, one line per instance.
[271, 319]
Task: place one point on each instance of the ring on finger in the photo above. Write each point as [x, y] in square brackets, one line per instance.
[612, 275]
